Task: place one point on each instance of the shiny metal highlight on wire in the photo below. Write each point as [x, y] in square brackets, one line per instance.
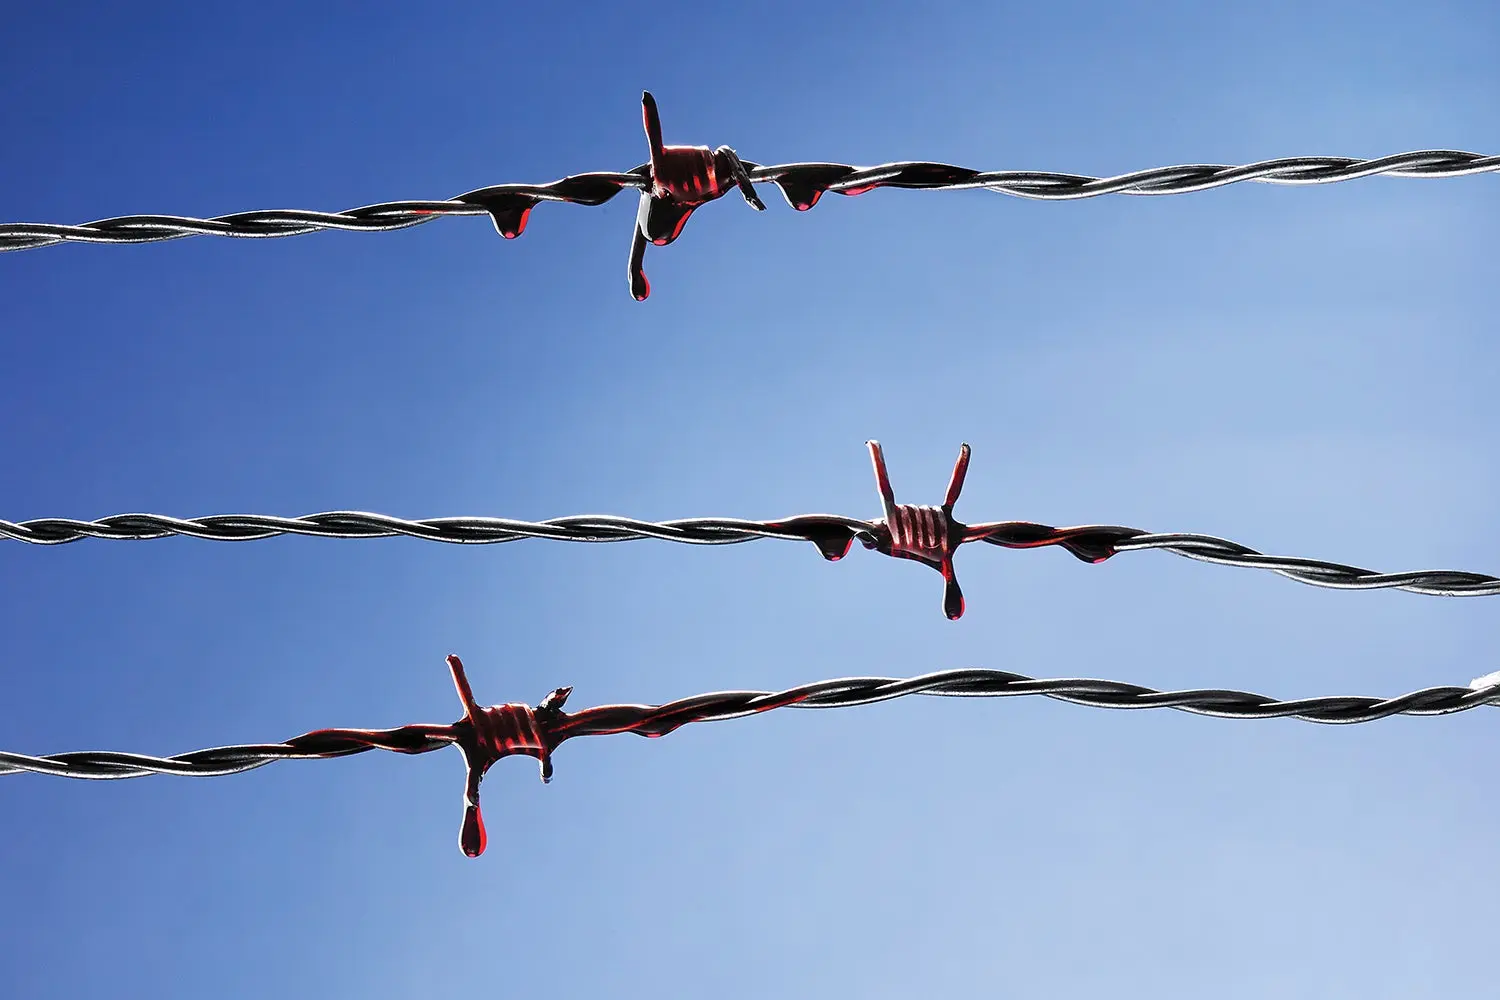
[486, 735]
[929, 535]
[679, 179]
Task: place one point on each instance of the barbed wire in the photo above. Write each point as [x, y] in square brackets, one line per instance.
[926, 534]
[679, 179]
[597, 188]
[486, 735]
[599, 528]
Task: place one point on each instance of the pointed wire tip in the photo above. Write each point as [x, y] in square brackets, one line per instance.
[1487, 681]
[556, 699]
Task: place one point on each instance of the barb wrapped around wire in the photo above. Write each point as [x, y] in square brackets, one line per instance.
[486, 735]
[929, 535]
[679, 179]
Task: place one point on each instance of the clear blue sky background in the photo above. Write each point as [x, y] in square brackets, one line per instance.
[1309, 371]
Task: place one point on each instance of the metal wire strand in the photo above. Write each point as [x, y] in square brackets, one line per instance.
[801, 183]
[1090, 542]
[658, 720]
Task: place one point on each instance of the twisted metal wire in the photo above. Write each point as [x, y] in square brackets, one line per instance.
[801, 184]
[1092, 542]
[658, 720]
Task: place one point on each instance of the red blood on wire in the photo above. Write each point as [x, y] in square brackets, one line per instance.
[682, 178]
[928, 535]
[487, 734]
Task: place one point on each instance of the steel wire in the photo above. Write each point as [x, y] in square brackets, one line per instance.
[1092, 541]
[658, 720]
[801, 184]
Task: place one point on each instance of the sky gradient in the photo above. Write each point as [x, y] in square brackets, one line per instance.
[1309, 371]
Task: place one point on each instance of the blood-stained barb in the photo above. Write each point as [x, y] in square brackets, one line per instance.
[486, 735]
[682, 178]
[928, 535]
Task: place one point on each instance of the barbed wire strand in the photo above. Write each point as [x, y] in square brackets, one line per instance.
[593, 189]
[1091, 542]
[486, 735]
[677, 180]
[659, 720]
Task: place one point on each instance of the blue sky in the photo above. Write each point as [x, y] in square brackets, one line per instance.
[1308, 371]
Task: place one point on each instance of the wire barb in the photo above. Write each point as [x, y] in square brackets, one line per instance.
[682, 179]
[678, 179]
[926, 534]
[486, 735]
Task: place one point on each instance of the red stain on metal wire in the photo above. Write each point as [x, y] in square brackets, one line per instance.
[678, 179]
[486, 735]
[496, 732]
[928, 535]
[931, 535]
[682, 179]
